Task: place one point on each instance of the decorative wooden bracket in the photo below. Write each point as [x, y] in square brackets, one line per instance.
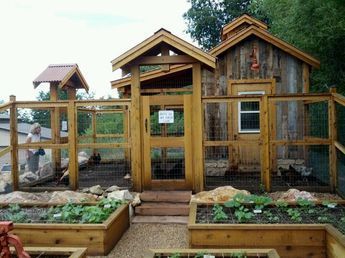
[7, 239]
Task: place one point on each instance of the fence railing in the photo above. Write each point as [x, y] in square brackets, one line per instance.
[269, 142]
[82, 145]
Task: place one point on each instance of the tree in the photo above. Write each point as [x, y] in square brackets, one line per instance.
[316, 27]
[206, 18]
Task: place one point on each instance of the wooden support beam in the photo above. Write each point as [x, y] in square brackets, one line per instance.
[5, 151]
[14, 144]
[165, 52]
[306, 78]
[198, 161]
[72, 140]
[332, 125]
[55, 127]
[159, 60]
[136, 125]
[265, 136]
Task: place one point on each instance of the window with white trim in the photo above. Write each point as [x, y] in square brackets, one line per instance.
[249, 114]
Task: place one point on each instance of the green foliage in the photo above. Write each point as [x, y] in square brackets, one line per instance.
[218, 213]
[239, 255]
[282, 205]
[315, 26]
[260, 201]
[271, 217]
[294, 214]
[242, 213]
[16, 214]
[78, 213]
[175, 255]
[206, 18]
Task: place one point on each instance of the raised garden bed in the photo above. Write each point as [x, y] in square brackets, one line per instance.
[217, 253]
[303, 231]
[99, 236]
[54, 252]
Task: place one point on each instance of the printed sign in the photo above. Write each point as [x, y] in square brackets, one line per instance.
[64, 125]
[166, 116]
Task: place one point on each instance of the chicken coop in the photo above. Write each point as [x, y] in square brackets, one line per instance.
[241, 114]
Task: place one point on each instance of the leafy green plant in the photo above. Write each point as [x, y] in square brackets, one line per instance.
[200, 254]
[329, 204]
[175, 255]
[271, 217]
[281, 205]
[218, 213]
[324, 219]
[239, 255]
[294, 214]
[243, 214]
[15, 214]
[260, 201]
[77, 213]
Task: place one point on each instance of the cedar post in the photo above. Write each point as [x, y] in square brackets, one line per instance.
[135, 123]
[265, 135]
[198, 157]
[14, 143]
[55, 127]
[72, 139]
[333, 137]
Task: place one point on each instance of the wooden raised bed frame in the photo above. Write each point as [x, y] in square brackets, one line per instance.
[72, 252]
[270, 253]
[298, 240]
[98, 238]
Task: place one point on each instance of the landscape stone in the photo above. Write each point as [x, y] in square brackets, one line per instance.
[222, 194]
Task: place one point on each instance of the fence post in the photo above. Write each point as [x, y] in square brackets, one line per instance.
[332, 125]
[72, 140]
[14, 143]
[266, 159]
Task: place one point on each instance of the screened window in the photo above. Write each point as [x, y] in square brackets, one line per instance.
[249, 114]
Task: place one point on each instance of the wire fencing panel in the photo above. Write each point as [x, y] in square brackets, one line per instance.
[5, 151]
[340, 140]
[103, 138]
[232, 151]
[300, 144]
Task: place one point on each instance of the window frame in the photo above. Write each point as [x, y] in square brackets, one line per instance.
[239, 112]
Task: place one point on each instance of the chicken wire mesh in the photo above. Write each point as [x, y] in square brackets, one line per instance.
[341, 173]
[102, 140]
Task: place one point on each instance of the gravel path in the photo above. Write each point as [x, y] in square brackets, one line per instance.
[140, 237]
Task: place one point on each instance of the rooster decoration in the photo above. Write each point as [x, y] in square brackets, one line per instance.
[255, 65]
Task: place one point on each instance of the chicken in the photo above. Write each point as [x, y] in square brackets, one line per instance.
[292, 174]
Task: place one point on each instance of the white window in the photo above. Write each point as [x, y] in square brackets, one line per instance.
[249, 114]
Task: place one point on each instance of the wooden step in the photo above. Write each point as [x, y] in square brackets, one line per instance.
[162, 209]
[166, 196]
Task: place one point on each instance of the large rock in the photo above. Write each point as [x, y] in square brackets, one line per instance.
[293, 194]
[28, 177]
[71, 196]
[112, 188]
[5, 182]
[96, 189]
[46, 170]
[24, 197]
[220, 194]
[123, 195]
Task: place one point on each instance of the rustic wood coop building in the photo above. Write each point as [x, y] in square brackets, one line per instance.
[241, 114]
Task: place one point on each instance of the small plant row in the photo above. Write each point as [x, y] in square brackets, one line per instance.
[252, 208]
[67, 213]
[204, 254]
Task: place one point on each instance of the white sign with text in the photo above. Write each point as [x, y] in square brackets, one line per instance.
[166, 116]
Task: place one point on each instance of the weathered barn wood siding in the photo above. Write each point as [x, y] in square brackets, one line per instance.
[235, 64]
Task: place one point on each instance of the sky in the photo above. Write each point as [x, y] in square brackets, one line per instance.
[36, 33]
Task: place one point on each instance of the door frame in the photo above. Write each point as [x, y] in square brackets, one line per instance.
[233, 130]
[184, 141]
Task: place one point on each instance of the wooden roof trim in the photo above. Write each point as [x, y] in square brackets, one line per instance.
[253, 30]
[163, 36]
[123, 82]
[80, 76]
[243, 19]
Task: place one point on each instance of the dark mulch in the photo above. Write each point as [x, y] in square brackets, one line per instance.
[273, 215]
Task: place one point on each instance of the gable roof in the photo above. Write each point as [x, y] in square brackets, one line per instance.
[161, 37]
[66, 75]
[266, 36]
[244, 19]
[146, 76]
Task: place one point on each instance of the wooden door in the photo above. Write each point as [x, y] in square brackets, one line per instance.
[167, 142]
[245, 122]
